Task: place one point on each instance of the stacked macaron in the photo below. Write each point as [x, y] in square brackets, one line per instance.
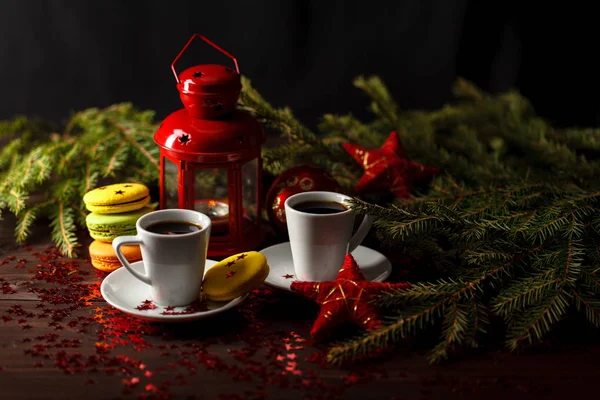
[115, 210]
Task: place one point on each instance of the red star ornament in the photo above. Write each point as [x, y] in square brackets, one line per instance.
[345, 299]
[388, 168]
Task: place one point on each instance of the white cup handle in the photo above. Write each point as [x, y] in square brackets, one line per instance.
[361, 233]
[125, 240]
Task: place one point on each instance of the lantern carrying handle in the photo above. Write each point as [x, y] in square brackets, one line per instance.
[194, 36]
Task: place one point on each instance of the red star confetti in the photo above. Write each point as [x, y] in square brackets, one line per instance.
[146, 305]
[197, 306]
[241, 257]
[288, 276]
[388, 168]
[116, 333]
[345, 299]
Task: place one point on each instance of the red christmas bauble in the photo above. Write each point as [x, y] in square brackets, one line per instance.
[295, 180]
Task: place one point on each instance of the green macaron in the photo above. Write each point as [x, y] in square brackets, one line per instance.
[106, 227]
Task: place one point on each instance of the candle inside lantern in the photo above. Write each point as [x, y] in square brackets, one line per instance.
[214, 209]
[217, 211]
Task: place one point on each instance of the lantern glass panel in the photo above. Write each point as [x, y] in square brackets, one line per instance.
[249, 194]
[170, 195]
[211, 198]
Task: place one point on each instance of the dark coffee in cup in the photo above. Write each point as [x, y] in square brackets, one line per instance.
[173, 227]
[320, 207]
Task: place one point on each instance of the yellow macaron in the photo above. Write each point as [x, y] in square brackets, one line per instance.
[117, 198]
[235, 276]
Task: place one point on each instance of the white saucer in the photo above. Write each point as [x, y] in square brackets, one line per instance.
[374, 265]
[125, 292]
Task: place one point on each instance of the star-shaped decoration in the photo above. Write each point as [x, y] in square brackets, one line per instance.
[184, 139]
[345, 299]
[288, 276]
[169, 308]
[230, 263]
[241, 257]
[230, 274]
[198, 74]
[388, 168]
[146, 305]
[119, 192]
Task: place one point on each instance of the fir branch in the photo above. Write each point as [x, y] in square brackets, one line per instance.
[346, 128]
[130, 137]
[525, 292]
[537, 320]
[590, 279]
[117, 159]
[382, 103]
[63, 167]
[91, 177]
[412, 320]
[455, 325]
[15, 199]
[24, 222]
[63, 227]
[26, 172]
[478, 320]
[590, 304]
[26, 219]
[66, 161]
[44, 169]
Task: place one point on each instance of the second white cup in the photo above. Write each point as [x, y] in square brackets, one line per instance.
[320, 230]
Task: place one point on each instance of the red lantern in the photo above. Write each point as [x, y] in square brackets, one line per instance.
[210, 156]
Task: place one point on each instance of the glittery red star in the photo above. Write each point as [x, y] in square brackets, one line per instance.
[288, 276]
[241, 257]
[388, 168]
[230, 263]
[345, 299]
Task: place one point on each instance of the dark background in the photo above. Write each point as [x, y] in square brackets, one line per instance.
[62, 56]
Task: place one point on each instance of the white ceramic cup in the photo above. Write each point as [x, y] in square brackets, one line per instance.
[320, 242]
[174, 264]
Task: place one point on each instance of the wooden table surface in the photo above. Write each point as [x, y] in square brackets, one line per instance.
[86, 349]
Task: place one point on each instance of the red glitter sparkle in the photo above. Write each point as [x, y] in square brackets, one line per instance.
[71, 305]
